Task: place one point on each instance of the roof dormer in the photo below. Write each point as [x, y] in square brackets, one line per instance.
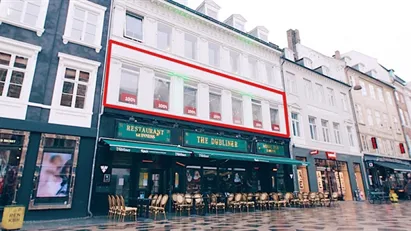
[237, 21]
[209, 8]
[260, 32]
[359, 67]
[322, 69]
[372, 73]
[306, 62]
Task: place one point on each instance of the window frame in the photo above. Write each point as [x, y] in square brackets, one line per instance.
[190, 108]
[141, 18]
[295, 122]
[291, 83]
[218, 116]
[326, 131]
[389, 97]
[88, 6]
[217, 58]
[363, 89]
[372, 91]
[364, 142]
[275, 124]
[195, 46]
[331, 97]
[337, 133]
[41, 17]
[169, 38]
[313, 127]
[234, 119]
[370, 119]
[344, 101]
[257, 123]
[350, 136]
[237, 61]
[252, 67]
[308, 85]
[380, 94]
[130, 71]
[163, 77]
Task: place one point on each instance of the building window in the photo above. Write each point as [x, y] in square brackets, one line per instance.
[378, 118]
[401, 98]
[337, 137]
[161, 92]
[320, 92]
[163, 37]
[344, 102]
[215, 105]
[235, 62]
[26, 14]
[381, 146]
[308, 89]
[291, 83]
[84, 24]
[331, 97]
[325, 129]
[369, 117]
[402, 115]
[74, 88]
[363, 89]
[237, 104]
[257, 113]
[134, 27]
[252, 61]
[190, 46]
[313, 128]
[13, 69]
[396, 96]
[213, 54]
[388, 146]
[190, 99]
[269, 70]
[130, 76]
[295, 120]
[396, 125]
[364, 143]
[360, 116]
[385, 121]
[372, 92]
[389, 97]
[275, 120]
[350, 136]
[380, 95]
[351, 80]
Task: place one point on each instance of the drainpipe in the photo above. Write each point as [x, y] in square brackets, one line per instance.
[100, 113]
[290, 146]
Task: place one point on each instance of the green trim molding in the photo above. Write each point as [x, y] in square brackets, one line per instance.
[193, 139]
[132, 131]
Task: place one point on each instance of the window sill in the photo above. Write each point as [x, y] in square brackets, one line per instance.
[72, 111]
[39, 31]
[67, 39]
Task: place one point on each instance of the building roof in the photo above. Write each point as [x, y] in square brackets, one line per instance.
[373, 78]
[328, 77]
[268, 44]
[396, 77]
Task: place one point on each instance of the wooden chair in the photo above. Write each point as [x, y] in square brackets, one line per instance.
[303, 198]
[180, 205]
[334, 198]
[288, 198]
[198, 202]
[188, 205]
[262, 202]
[214, 204]
[271, 202]
[314, 199]
[249, 203]
[237, 201]
[110, 207]
[125, 211]
[230, 201]
[161, 207]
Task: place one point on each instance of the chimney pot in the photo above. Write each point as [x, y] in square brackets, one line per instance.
[337, 55]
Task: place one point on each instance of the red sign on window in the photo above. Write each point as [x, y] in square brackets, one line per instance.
[275, 127]
[215, 115]
[331, 155]
[314, 152]
[374, 142]
[258, 124]
[237, 120]
[402, 149]
[128, 98]
[161, 105]
[190, 110]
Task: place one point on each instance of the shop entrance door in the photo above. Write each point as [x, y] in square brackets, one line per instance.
[120, 182]
[151, 182]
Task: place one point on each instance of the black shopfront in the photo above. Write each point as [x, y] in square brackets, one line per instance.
[143, 155]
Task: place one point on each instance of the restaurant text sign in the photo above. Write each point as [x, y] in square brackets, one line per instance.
[271, 149]
[214, 142]
[142, 132]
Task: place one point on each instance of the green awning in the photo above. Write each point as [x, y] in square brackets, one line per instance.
[203, 153]
[158, 149]
[394, 166]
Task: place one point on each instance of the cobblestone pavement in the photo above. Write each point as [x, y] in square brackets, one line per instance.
[344, 216]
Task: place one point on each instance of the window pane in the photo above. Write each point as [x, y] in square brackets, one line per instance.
[81, 90]
[68, 87]
[129, 86]
[190, 46]
[92, 18]
[14, 91]
[134, 27]
[274, 119]
[190, 100]
[66, 100]
[20, 62]
[91, 29]
[32, 12]
[79, 13]
[90, 38]
[1, 88]
[234, 58]
[237, 111]
[257, 115]
[5, 59]
[78, 24]
[17, 77]
[163, 37]
[161, 94]
[76, 34]
[70, 74]
[84, 76]
[213, 54]
[215, 106]
[3, 74]
[15, 9]
[80, 102]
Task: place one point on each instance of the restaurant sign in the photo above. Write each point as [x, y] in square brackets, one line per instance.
[214, 142]
[270, 149]
[141, 132]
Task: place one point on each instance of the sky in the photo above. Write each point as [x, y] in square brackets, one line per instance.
[377, 28]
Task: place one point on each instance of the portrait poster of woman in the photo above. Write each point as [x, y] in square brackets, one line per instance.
[54, 175]
[193, 180]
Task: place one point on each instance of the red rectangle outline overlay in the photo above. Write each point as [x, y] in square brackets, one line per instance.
[105, 104]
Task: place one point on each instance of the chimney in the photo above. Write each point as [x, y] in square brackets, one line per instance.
[337, 55]
[293, 37]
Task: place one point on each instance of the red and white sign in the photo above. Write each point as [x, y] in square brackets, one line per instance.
[275, 127]
[161, 105]
[215, 115]
[258, 124]
[237, 120]
[190, 110]
[331, 155]
[128, 98]
[314, 152]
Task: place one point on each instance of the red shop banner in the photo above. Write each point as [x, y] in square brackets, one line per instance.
[258, 124]
[161, 105]
[275, 127]
[215, 115]
[314, 152]
[331, 155]
[190, 110]
[128, 98]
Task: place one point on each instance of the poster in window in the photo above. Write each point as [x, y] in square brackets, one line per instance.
[4, 160]
[193, 181]
[55, 175]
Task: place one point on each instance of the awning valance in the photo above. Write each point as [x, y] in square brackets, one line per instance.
[204, 153]
[394, 166]
[158, 149]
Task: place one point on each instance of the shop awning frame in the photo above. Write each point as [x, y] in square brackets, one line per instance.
[394, 166]
[149, 148]
[211, 154]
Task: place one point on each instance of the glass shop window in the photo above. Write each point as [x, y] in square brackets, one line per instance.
[161, 92]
